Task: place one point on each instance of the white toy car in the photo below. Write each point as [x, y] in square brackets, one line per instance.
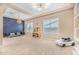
[65, 42]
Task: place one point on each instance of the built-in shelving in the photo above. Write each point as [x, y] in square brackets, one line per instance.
[76, 21]
[76, 28]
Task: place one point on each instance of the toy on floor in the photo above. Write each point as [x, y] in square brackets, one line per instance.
[63, 42]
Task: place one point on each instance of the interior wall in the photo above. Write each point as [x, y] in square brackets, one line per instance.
[65, 20]
[2, 9]
[10, 26]
[66, 23]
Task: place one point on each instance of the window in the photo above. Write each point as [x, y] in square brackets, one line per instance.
[51, 26]
[29, 26]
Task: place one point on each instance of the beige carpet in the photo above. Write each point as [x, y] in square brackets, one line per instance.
[31, 46]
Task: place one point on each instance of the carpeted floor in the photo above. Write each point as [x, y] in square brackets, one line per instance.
[30, 46]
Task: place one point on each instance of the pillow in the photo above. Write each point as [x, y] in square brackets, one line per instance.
[12, 34]
[18, 33]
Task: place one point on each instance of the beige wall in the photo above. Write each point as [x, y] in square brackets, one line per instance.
[2, 9]
[66, 24]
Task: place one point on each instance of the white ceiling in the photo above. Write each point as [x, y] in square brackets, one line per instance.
[29, 10]
[12, 13]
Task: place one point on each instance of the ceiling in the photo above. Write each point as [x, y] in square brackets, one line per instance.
[27, 8]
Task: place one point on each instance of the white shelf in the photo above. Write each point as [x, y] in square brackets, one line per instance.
[76, 18]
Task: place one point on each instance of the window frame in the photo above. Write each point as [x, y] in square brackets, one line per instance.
[58, 32]
[32, 26]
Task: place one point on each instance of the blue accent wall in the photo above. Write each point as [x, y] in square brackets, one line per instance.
[10, 26]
